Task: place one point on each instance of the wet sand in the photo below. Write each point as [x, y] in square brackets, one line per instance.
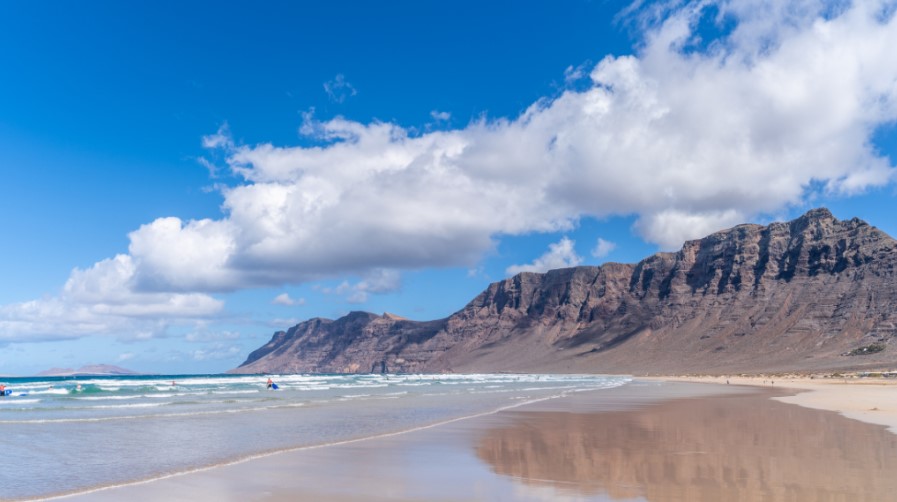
[656, 441]
[871, 400]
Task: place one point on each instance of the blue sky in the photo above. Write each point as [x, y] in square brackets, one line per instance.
[180, 181]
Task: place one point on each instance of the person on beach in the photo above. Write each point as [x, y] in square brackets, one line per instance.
[270, 383]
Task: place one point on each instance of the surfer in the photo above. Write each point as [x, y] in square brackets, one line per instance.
[2, 390]
[270, 383]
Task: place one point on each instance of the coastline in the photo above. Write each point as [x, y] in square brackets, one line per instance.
[652, 439]
[871, 400]
[150, 428]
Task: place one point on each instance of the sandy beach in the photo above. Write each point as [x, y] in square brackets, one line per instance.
[868, 399]
[650, 440]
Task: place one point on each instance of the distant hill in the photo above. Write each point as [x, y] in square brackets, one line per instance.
[89, 370]
[815, 293]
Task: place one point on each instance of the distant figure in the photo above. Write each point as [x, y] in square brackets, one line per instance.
[78, 388]
[173, 384]
[270, 383]
[2, 390]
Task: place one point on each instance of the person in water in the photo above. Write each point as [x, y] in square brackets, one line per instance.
[2, 390]
[270, 383]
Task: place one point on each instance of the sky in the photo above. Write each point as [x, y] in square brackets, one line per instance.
[182, 179]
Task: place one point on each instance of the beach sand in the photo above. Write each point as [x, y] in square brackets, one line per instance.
[868, 399]
[650, 440]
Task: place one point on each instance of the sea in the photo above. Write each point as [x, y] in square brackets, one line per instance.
[65, 435]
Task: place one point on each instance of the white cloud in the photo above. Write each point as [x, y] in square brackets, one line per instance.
[103, 299]
[377, 281]
[209, 165]
[199, 262]
[283, 323]
[216, 352]
[440, 116]
[125, 356]
[574, 74]
[603, 248]
[671, 225]
[221, 139]
[339, 89]
[286, 300]
[211, 336]
[108, 288]
[690, 141]
[559, 255]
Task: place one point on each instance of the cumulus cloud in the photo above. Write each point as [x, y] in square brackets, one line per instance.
[691, 141]
[691, 134]
[377, 281]
[559, 255]
[108, 287]
[104, 299]
[285, 300]
[603, 248]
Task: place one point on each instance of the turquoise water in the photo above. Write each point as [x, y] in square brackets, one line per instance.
[66, 435]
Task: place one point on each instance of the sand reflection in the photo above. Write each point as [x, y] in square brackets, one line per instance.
[724, 448]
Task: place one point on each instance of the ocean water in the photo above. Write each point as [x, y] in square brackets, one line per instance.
[68, 435]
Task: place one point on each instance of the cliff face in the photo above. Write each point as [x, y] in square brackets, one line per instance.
[788, 296]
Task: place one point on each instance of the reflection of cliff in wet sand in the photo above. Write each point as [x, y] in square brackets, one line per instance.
[727, 448]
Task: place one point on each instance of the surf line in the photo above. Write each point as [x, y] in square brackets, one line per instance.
[318, 446]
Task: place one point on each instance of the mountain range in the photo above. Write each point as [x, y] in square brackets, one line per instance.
[88, 370]
[815, 293]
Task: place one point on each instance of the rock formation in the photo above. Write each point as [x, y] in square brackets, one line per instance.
[815, 293]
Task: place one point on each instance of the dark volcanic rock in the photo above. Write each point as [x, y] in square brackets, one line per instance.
[788, 296]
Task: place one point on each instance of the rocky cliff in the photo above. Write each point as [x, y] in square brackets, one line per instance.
[815, 293]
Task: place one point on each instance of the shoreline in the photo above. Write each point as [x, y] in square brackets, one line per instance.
[138, 488]
[298, 449]
[871, 400]
[129, 429]
[635, 428]
[649, 439]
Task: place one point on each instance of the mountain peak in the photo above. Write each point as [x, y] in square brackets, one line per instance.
[819, 213]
